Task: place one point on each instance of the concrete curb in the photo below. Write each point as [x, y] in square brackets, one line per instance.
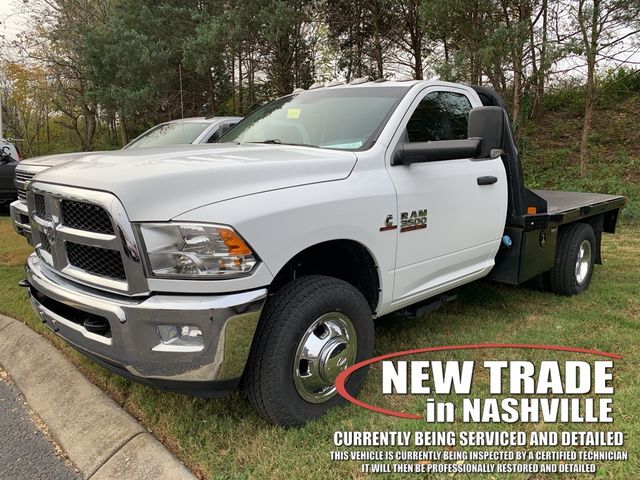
[100, 438]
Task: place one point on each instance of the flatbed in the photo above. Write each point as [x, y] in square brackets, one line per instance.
[529, 249]
[563, 207]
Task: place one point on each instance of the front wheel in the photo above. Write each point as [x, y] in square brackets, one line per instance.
[310, 331]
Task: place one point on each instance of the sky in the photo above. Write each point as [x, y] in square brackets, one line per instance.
[10, 22]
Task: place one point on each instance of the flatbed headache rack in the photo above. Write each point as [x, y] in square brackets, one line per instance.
[535, 216]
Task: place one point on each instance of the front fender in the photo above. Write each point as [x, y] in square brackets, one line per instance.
[280, 224]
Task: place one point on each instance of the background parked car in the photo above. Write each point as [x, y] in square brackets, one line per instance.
[9, 158]
[196, 130]
[187, 130]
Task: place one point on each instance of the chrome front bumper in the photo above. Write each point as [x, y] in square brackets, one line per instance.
[20, 218]
[227, 322]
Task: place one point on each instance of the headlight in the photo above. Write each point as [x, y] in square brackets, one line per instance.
[192, 250]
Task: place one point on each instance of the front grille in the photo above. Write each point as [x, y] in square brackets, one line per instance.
[80, 235]
[22, 178]
[85, 216]
[45, 244]
[40, 205]
[98, 261]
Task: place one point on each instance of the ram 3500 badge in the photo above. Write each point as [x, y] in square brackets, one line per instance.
[266, 257]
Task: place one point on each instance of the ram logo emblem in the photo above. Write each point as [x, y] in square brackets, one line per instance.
[414, 220]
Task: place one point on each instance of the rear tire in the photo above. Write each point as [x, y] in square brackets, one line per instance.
[310, 330]
[575, 255]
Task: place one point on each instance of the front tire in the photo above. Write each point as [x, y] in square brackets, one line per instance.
[575, 255]
[310, 330]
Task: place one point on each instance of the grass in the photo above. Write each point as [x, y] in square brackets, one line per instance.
[225, 438]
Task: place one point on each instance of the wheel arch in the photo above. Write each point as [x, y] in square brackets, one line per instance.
[345, 259]
[600, 223]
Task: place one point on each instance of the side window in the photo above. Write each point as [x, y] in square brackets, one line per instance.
[439, 116]
[216, 135]
[214, 138]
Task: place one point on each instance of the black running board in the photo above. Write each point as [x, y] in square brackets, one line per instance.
[428, 306]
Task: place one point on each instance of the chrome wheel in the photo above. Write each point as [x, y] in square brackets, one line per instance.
[327, 348]
[583, 262]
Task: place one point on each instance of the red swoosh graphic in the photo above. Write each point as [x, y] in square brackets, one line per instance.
[342, 377]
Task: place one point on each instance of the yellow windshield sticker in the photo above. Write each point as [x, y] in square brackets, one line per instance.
[293, 113]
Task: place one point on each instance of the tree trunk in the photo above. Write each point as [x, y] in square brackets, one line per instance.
[233, 84]
[591, 46]
[535, 71]
[517, 88]
[445, 44]
[46, 113]
[588, 114]
[250, 81]
[89, 128]
[542, 70]
[417, 55]
[377, 42]
[240, 80]
[124, 138]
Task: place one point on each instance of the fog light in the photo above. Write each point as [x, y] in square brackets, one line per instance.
[179, 338]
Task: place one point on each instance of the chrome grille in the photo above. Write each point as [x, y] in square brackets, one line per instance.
[23, 175]
[96, 260]
[85, 235]
[41, 209]
[45, 244]
[85, 216]
[22, 178]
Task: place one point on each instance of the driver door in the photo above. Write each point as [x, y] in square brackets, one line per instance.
[449, 226]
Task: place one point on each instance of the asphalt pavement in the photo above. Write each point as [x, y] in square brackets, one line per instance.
[25, 452]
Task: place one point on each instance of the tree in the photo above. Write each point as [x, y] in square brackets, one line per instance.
[409, 35]
[56, 44]
[27, 98]
[285, 44]
[603, 27]
[362, 33]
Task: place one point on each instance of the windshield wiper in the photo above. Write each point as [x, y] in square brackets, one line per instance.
[277, 141]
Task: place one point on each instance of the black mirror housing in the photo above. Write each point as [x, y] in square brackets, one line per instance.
[485, 133]
[419, 152]
[487, 124]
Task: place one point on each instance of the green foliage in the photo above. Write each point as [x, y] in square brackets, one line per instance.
[133, 59]
[568, 97]
[619, 173]
[549, 148]
[619, 83]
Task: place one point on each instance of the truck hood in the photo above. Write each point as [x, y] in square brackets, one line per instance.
[54, 160]
[157, 184]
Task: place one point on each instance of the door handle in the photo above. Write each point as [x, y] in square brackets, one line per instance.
[489, 180]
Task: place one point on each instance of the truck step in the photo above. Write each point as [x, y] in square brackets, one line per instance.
[428, 306]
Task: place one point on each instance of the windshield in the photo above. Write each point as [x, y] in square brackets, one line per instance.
[340, 118]
[171, 133]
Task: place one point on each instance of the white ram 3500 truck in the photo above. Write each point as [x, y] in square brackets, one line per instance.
[265, 258]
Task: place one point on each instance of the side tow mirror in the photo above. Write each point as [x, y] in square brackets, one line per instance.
[487, 124]
[420, 152]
